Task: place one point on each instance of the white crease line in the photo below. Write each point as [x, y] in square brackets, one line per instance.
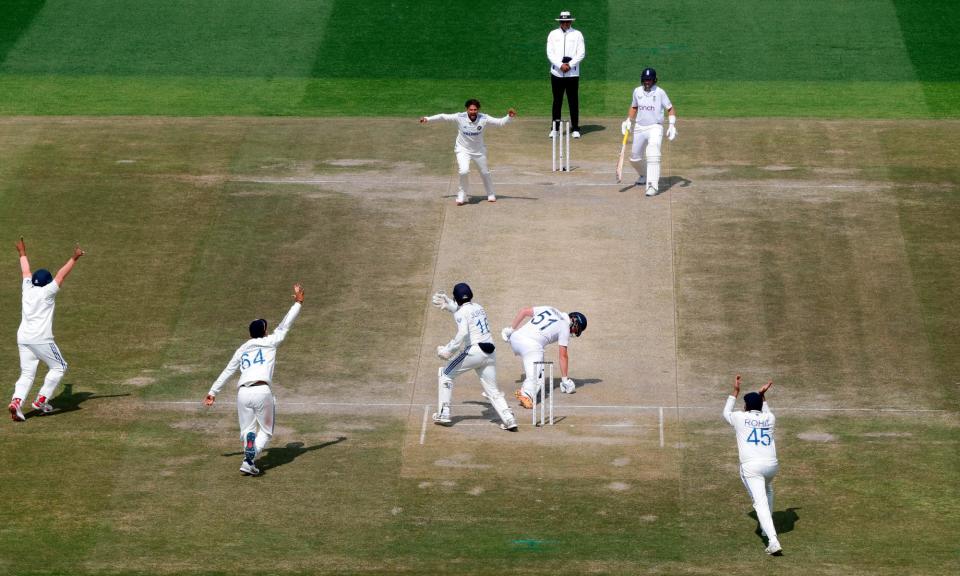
[661, 426]
[693, 184]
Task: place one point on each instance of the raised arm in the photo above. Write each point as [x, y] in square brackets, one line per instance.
[24, 263]
[64, 271]
[763, 390]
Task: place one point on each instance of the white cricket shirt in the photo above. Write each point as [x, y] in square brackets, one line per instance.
[650, 105]
[36, 319]
[561, 44]
[257, 357]
[472, 326]
[548, 325]
[470, 135]
[754, 433]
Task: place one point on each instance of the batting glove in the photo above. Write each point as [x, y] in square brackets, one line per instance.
[443, 302]
[671, 132]
[443, 352]
[567, 386]
[506, 333]
[625, 127]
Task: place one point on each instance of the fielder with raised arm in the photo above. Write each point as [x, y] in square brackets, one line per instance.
[469, 145]
[256, 405]
[35, 335]
[646, 111]
[758, 455]
[546, 326]
[477, 353]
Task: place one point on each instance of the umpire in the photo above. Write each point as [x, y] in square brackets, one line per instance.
[565, 50]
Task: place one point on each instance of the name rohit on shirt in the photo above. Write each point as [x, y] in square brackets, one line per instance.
[754, 423]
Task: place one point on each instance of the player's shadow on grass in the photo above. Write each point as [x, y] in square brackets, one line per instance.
[490, 415]
[472, 200]
[581, 382]
[666, 183]
[783, 521]
[278, 456]
[590, 128]
[69, 401]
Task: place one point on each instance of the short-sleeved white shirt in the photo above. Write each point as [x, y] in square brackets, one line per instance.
[650, 105]
[548, 325]
[36, 320]
[470, 134]
[754, 429]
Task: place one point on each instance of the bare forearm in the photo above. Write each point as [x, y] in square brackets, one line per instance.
[24, 266]
[65, 271]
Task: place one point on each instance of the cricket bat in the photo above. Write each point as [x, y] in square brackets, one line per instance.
[623, 150]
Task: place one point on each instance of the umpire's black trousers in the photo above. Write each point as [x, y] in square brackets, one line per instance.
[570, 85]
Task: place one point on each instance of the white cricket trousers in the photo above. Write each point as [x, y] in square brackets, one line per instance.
[646, 144]
[758, 478]
[463, 167]
[530, 351]
[30, 357]
[256, 406]
[485, 365]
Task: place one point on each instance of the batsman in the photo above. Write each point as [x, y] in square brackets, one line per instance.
[646, 118]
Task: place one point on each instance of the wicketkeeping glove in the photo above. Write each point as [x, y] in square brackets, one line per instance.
[506, 333]
[625, 127]
[567, 386]
[443, 353]
[443, 302]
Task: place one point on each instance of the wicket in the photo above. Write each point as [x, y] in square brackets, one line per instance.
[545, 392]
[561, 145]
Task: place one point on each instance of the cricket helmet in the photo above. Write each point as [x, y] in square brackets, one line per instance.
[41, 277]
[752, 401]
[258, 328]
[648, 74]
[462, 293]
[578, 323]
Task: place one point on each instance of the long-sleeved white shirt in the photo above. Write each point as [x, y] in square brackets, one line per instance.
[470, 134]
[561, 44]
[754, 433]
[472, 326]
[257, 357]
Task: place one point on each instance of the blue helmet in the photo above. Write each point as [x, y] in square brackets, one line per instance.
[578, 323]
[258, 328]
[648, 74]
[41, 277]
[462, 293]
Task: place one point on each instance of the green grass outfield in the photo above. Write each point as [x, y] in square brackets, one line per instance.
[818, 58]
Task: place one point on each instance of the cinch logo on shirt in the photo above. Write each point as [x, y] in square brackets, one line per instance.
[647, 108]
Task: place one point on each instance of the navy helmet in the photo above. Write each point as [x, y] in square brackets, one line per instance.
[578, 323]
[648, 74]
[462, 293]
[753, 401]
[41, 277]
[258, 328]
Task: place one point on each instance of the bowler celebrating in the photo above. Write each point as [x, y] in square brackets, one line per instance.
[255, 401]
[469, 145]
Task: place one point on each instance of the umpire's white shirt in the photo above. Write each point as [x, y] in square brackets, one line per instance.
[561, 44]
[470, 134]
[257, 357]
[548, 325]
[650, 105]
[36, 320]
[754, 433]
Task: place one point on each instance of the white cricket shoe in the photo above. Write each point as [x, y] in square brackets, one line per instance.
[509, 424]
[491, 198]
[774, 549]
[641, 181]
[651, 191]
[41, 405]
[461, 199]
[15, 411]
[249, 469]
[552, 134]
[576, 134]
[442, 418]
